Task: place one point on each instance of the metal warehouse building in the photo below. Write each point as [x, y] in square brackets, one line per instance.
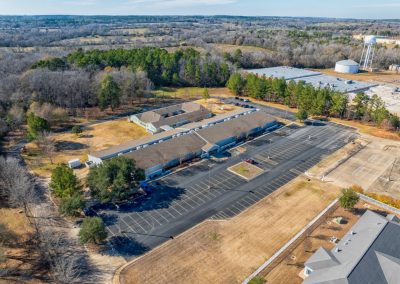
[170, 117]
[318, 80]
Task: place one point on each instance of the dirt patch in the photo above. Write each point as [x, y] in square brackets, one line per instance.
[228, 251]
[216, 106]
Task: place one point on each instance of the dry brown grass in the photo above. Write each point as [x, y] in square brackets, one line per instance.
[17, 232]
[244, 48]
[288, 270]
[228, 251]
[368, 129]
[96, 137]
[246, 170]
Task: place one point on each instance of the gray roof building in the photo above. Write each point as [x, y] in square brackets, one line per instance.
[165, 135]
[317, 79]
[368, 253]
[157, 157]
[171, 116]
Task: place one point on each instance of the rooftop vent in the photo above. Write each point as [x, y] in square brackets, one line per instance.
[337, 249]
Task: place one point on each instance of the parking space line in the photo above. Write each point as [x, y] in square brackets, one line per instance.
[156, 211]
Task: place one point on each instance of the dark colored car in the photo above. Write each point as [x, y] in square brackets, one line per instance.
[89, 212]
[250, 161]
[236, 98]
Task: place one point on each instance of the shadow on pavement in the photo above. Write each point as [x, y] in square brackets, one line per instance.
[125, 246]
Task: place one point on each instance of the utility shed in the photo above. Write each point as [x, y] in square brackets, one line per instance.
[368, 253]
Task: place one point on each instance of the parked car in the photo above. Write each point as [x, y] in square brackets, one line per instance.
[246, 100]
[250, 161]
[89, 212]
[237, 98]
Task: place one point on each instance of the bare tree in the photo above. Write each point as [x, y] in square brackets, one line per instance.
[47, 145]
[15, 184]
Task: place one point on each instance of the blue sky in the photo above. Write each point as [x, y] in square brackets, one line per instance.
[315, 8]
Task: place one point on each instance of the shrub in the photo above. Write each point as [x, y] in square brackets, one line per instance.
[72, 206]
[92, 231]
[349, 198]
[77, 129]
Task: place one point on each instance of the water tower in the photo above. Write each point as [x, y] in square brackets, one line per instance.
[367, 56]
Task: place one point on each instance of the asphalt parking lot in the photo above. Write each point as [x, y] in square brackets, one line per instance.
[207, 190]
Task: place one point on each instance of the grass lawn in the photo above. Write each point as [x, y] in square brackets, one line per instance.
[70, 146]
[246, 170]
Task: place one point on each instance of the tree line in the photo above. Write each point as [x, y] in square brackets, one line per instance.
[184, 67]
[312, 101]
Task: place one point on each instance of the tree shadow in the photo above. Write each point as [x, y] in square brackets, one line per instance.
[160, 198]
[109, 219]
[125, 246]
[7, 237]
[69, 145]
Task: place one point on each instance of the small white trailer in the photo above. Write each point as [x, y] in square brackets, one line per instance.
[75, 163]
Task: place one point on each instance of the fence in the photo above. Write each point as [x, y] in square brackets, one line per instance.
[379, 204]
[284, 251]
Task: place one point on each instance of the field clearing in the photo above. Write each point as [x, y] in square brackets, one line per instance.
[189, 92]
[70, 146]
[246, 170]
[131, 31]
[228, 251]
[381, 76]
[289, 269]
[244, 48]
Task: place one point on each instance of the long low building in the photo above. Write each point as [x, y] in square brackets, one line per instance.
[170, 117]
[199, 142]
[157, 158]
[98, 156]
